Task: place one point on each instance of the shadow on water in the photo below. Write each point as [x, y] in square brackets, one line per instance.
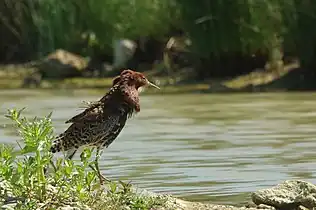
[200, 147]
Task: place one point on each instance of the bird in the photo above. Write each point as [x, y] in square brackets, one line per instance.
[100, 123]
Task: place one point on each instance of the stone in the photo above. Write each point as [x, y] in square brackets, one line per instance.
[263, 206]
[32, 80]
[288, 195]
[124, 50]
[61, 64]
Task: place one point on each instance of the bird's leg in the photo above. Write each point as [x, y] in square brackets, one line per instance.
[98, 155]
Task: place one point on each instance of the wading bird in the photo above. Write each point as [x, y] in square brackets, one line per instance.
[102, 121]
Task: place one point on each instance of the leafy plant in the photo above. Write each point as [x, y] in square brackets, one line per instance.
[22, 175]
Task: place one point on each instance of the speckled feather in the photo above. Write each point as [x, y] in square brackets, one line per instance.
[102, 121]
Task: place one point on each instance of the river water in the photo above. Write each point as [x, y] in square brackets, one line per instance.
[201, 147]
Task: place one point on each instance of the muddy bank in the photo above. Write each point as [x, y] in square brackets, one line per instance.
[23, 76]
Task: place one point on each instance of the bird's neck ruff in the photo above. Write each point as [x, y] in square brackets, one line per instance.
[122, 97]
[130, 96]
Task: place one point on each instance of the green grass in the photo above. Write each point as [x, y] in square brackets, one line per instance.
[69, 184]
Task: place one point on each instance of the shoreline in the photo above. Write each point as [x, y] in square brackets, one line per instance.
[260, 80]
[199, 88]
[289, 195]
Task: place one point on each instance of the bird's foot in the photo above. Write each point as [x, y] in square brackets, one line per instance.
[101, 177]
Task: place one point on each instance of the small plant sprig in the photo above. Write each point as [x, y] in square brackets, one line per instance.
[22, 174]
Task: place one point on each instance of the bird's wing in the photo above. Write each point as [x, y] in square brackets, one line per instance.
[91, 113]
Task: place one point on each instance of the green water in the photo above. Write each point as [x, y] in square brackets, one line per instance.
[216, 148]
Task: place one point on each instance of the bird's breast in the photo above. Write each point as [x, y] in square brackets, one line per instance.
[110, 129]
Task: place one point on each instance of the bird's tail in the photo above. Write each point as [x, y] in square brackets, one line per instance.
[59, 145]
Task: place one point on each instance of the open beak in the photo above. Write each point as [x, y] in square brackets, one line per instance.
[153, 85]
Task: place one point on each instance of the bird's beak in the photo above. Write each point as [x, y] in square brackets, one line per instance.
[153, 85]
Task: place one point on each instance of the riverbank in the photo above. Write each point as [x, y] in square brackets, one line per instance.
[285, 79]
[289, 195]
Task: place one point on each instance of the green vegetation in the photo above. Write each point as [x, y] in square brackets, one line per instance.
[228, 38]
[22, 175]
[40, 27]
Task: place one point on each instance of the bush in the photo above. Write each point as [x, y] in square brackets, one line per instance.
[39, 27]
[22, 175]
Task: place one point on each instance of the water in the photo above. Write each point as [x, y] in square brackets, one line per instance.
[200, 147]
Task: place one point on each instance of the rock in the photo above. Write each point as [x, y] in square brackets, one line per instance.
[32, 80]
[61, 64]
[287, 195]
[124, 50]
[97, 68]
[177, 55]
[263, 206]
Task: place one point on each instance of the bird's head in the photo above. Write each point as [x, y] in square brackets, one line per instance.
[129, 83]
[133, 79]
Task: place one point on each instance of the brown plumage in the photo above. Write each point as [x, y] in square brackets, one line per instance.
[102, 121]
